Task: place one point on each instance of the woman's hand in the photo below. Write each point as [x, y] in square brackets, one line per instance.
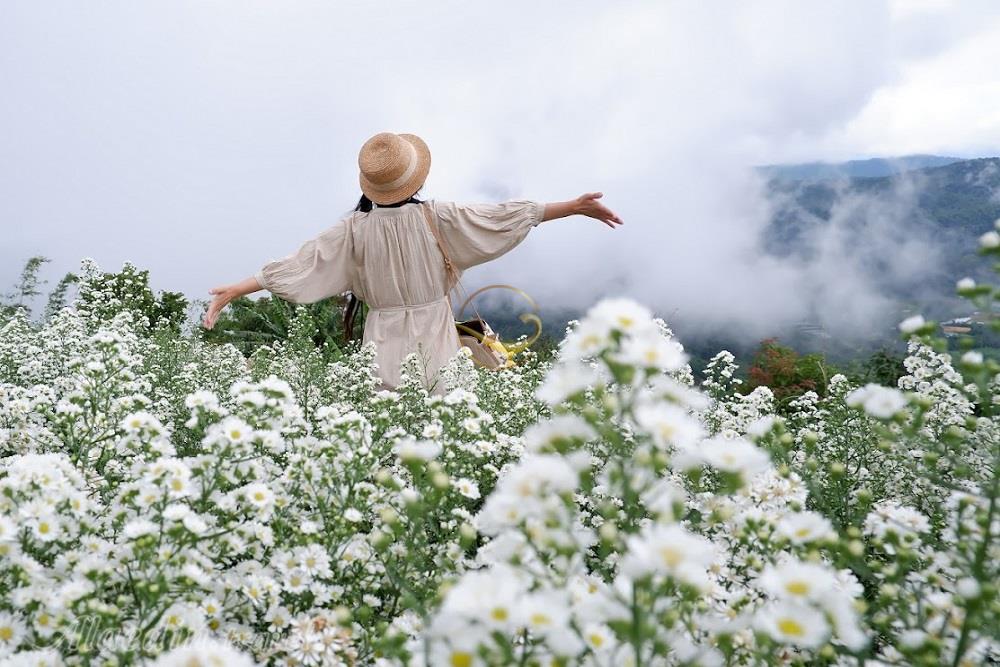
[223, 295]
[587, 204]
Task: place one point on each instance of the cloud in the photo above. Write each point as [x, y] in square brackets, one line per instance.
[199, 140]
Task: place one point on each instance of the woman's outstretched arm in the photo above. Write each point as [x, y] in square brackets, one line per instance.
[225, 294]
[585, 204]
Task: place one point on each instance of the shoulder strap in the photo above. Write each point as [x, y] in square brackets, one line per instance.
[432, 224]
[449, 267]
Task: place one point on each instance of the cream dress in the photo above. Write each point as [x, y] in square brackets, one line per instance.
[390, 260]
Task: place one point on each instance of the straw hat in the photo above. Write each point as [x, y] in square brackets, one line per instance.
[393, 166]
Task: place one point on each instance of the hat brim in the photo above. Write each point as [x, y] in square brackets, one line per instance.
[414, 183]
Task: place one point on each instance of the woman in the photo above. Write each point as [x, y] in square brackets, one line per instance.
[385, 253]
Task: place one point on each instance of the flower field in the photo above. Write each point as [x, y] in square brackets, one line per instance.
[166, 501]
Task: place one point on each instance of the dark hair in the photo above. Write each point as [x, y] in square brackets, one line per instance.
[365, 204]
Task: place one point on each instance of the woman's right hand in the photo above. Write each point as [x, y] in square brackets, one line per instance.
[223, 295]
[220, 299]
[587, 204]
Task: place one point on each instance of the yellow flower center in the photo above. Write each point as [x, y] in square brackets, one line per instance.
[176, 484]
[625, 321]
[791, 627]
[6, 633]
[235, 435]
[44, 528]
[540, 619]
[461, 659]
[596, 640]
[671, 556]
[43, 620]
[259, 496]
[802, 532]
[499, 614]
[797, 587]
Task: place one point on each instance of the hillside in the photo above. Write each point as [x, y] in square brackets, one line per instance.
[945, 208]
[871, 168]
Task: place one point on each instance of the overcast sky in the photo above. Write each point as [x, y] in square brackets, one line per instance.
[199, 139]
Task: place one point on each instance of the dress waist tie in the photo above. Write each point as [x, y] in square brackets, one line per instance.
[410, 306]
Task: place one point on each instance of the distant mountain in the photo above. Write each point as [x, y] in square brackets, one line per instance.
[884, 222]
[872, 168]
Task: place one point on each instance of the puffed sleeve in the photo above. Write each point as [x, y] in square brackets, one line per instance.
[477, 233]
[319, 269]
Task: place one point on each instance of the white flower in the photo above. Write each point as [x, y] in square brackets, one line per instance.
[236, 430]
[546, 613]
[662, 496]
[204, 651]
[139, 527]
[136, 421]
[194, 523]
[968, 588]
[353, 515]
[432, 431]
[258, 494]
[878, 401]
[46, 657]
[669, 425]
[669, 550]
[8, 529]
[46, 528]
[467, 487]
[911, 324]
[410, 449]
[912, 638]
[489, 596]
[889, 516]
[973, 358]
[586, 340]
[176, 511]
[11, 632]
[989, 240]
[735, 455]
[542, 435]
[652, 351]
[623, 315]
[565, 380]
[804, 527]
[965, 284]
[791, 623]
[796, 580]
